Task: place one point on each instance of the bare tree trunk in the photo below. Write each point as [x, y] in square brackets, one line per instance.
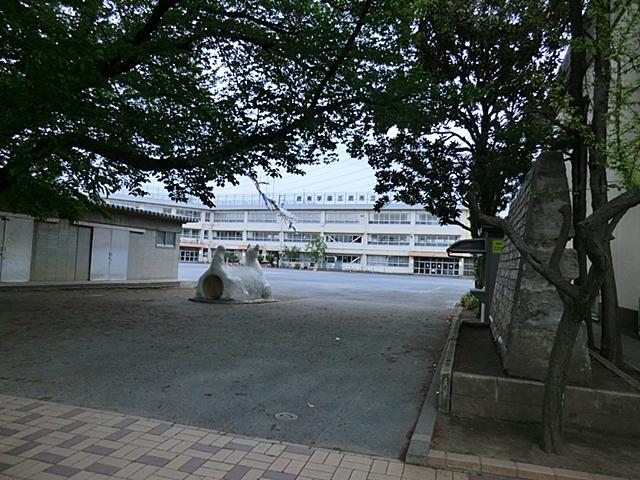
[611, 338]
[575, 89]
[556, 381]
[611, 341]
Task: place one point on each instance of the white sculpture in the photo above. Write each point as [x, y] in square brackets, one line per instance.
[242, 283]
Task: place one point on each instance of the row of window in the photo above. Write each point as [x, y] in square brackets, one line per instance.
[421, 265]
[388, 218]
[387, 261]
[303, 237]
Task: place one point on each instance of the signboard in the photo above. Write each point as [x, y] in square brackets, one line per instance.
[496, 246]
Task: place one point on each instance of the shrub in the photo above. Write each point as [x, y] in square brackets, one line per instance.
[231, 257]
[470, 302]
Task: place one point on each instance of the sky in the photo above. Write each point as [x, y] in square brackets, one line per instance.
[345, 175]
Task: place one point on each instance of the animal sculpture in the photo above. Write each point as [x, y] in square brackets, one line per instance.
[242, 283]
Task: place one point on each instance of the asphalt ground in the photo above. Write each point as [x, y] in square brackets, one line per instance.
[350, 354]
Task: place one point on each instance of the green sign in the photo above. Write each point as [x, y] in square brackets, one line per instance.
[496, 246]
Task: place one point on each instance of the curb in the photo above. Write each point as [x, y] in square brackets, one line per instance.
[38, 286]
[479, 465]
[417, 453]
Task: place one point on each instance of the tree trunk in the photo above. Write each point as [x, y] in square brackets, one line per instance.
[555, 384]
[611, 339]
[575, 89]
[611, 342]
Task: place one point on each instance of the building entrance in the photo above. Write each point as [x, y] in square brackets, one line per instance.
[436, 266]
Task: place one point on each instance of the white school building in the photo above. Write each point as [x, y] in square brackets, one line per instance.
[399, 239]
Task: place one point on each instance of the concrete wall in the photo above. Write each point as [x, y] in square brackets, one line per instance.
[626, 261]
[147, 261]
[521, 401]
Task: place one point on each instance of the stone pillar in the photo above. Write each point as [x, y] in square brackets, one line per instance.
[526, 308]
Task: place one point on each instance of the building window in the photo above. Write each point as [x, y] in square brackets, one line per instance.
[436, 240]
[228, 217]
[229, 236]
[309, 198]
[308, 217]
[263, 236]
[190, 233]
[298, 237]
[319, 198]
[343, 238]
[207, 216]
[299, 199]
[154, 208]
[361, 198]
[376, 239]
[193, 215]
[165, 239]
[350, 199]
[469, 267]
[329, 198]
[353, 259]
[188, 255]
[205, 234]
[427, 219]
[436, 266]
[340, 198]
[387, 261]
[389, 218]
[263, 217]
[340, 217]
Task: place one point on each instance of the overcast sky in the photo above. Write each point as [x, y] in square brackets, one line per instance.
[346, 175]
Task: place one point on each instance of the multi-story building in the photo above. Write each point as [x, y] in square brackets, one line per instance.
[398, 239]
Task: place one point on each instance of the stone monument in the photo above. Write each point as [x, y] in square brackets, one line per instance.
[241, 284]
[526, 308]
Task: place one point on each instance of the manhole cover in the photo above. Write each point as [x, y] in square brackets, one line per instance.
[286, 416]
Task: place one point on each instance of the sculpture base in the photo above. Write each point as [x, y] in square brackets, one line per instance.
[234, 302]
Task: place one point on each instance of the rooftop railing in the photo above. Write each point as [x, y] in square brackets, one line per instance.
[284, 199]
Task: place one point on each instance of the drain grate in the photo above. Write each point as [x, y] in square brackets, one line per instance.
[286, 416]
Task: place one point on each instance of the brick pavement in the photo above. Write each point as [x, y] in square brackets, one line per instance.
[49, 441]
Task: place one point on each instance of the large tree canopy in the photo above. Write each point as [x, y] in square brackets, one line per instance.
[466, 117]
[98, 95]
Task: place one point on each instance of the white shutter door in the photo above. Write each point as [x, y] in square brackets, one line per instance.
[17, 239]
[119, 255]
[100, 251]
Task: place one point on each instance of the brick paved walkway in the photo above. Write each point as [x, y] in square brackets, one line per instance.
[50, 441]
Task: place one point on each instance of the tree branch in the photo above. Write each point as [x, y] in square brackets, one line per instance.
[333, 68]
[552, 275]
[612, 209]
[153, 21]
[273, 26]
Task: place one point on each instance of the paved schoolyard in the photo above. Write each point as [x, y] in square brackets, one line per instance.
[349, 354]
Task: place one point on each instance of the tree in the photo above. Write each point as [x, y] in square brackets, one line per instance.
[469, 118]
[231, 257]
[98, 96]
[316, 247]
[270, 257]
[590, 153]
[291, 253]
